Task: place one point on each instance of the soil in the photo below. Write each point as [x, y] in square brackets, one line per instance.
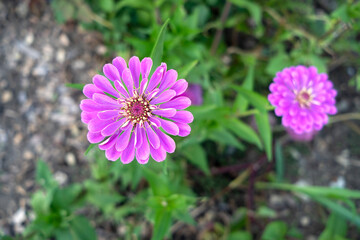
[40, 119]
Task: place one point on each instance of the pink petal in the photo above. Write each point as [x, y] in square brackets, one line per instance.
[163, 97]
[89, 105]
[177, 103]
[86, 117]
[169, 127]
[156, 77]
[153, 138]
[183, 117]
[105, 100]
[90, 89]
[112, 128]
[167, 112]
[123, 140]
[129, 152]
[96, 125]
[146, 65]
[120, 64]
[112, 154]
[103, 84]
[111, 72]
[180, 86]
[95, 137]
[108, 143]
[108, 114]
[139, 136]
[169, 79]
[184, 129]
[120, 87]
[128, 80]
[143, 152]
[134, 65]
[166, 142]
[158, 154]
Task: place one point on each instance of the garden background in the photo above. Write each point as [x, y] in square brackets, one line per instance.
[238, 175]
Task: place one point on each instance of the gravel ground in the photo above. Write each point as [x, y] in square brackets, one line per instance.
[39, 116]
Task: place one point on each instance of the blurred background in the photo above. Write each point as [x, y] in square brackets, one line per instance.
[235, 176]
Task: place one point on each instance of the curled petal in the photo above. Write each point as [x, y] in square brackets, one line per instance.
[153, 138]
[159, 154]
[112, 154]
[167, 112]
[90, 89]
[146, 65]
[123, 140]
[95, 137]
[166, 142]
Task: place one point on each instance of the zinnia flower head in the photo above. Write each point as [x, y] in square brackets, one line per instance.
[303, 98]
[129, 111]
[303, 137]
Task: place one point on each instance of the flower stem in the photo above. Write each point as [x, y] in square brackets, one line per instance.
[345, 117]
[253, 112]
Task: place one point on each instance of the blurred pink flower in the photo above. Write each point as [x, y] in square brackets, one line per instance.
[303, 98]
[132, 122]
[303, 137]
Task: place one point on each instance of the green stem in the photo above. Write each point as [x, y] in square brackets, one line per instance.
[345, 117]
[253, 112]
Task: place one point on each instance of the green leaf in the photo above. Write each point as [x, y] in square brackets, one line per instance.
[162, 224]
[338, 209]
[89, 148]
[40, 202]
[239, 235]
[197, 156]
[255, 99]
[81, 228]
[184, 71]
[275, 231]
[157, 51]
[241, 104]
[158, 183]
[78, 86]
[336, 228]
[243, 131]
[221, 135]
[65, 198]
[277, 63]
[266, 212]
[262, 121]
[106, 5]
[44, 176]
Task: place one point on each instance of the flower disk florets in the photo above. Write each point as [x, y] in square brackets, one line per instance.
[129, 112]
[303, 97]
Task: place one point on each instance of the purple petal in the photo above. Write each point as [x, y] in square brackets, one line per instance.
[112, 128]
[103, 84]
[166, 142]
[129, 152]
[134, 65]
[90, 89]
[123, 140]
[177, 103]
[167, 112]
[120, 64]
[105, 100]
[169, 127]
[89, 105]
[183, 117]
[108, 143]
[143, 152]
[139, 136]
[158, 154]
[155, 121]
[163, 97]
[180, 86]
[143, 85]
[95, 137]
[86, 117]
[111, 72]
[108, 114]
[169, 79]
[143, 161]
[112, 154]
[128, 80]
[156, 77]
[96, 125]
[146, 65]
[184, 129]
[120, 87]
[153, 138]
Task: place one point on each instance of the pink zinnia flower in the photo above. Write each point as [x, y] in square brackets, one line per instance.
[303, 137]
[303, 98]
[132, 122]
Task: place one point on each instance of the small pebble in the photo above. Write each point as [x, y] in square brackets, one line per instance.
[60, 55]
[64, 40]
[70, 159]
[60, 177]
[6, 96]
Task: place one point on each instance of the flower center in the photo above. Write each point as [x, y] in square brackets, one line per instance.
[137, 110]
[304, 98]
